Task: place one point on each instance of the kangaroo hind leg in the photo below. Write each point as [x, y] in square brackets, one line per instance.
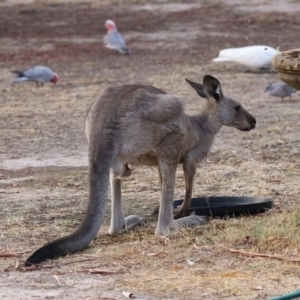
[118, 222]
[167, 172]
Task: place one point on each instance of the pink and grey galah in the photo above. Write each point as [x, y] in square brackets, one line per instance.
[113, 39]
[38, 74]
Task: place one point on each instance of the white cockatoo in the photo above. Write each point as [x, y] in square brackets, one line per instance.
[39, 74]
[280, 90]
[252, 56]
[113, 39]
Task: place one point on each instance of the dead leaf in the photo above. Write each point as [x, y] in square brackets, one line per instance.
[128, 295]
[57, 279]
[190, 262]
[56, 272]
[31, 268]
[17, 263]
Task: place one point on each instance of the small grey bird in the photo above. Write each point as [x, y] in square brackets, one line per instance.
[280, 90]
[113, 39]
[38, 74]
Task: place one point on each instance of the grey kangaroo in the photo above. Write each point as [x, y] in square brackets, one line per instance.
[142, 125]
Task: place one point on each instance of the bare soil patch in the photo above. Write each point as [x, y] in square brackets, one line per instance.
[43, 156]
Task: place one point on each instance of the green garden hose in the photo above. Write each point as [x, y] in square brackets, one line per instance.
[287, 296]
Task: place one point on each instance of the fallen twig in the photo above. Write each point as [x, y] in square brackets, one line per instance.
[274, 181]
[91, 255]
[288, 142]
[8, 254]
[33, 267]
[53, 266]
[96, 270]
[13, 254]
[259, 254]
[76, 261]
[158, 254]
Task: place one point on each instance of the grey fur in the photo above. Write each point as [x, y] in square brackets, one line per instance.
[142, 125]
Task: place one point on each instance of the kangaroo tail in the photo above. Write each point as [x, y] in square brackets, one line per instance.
[100, 161]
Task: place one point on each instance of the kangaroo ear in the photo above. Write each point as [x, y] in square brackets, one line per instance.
[212, 88]
[198, 87]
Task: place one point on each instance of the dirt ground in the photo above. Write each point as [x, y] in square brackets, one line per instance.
[43, 149]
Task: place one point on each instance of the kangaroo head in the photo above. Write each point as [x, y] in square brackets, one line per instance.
[229, 112]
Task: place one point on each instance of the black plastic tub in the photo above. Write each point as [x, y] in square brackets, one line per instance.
[227, 206]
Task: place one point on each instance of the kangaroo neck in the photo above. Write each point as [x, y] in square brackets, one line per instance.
[205, 124]
[208, 121]
[201, 129]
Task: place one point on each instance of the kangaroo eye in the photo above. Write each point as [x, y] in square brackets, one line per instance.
[237, 108]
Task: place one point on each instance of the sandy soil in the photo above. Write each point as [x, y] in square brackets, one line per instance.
[43, 156]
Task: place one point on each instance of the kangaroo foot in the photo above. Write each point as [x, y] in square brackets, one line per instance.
[190, 221]
[133, 221]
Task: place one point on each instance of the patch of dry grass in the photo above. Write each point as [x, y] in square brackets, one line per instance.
[274, 232]
[49, 122]
[190, 259]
